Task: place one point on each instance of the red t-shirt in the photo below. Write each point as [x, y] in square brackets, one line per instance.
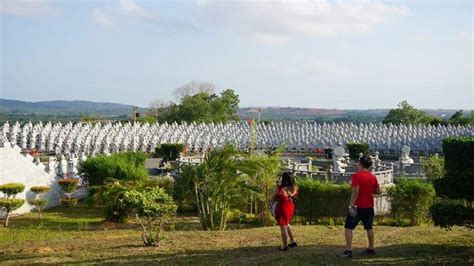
[367, 183]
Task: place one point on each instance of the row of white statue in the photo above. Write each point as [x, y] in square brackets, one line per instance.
[107, 138]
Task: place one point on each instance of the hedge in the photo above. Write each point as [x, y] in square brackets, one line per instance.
[447, 213]
[411, 199]
[318, 199]
[169, 151]
[120, 166]
[458, 182]
[356, 148]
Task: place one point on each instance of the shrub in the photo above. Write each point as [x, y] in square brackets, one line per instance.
[218, 184]
[120, 166]
[111, 196]
[69, 185]
[459, 165]
[447, 213]
[39, 202]
[433, 167]
[411, 199]
[318, 199]
[152, 208]
[169, 151]
[9, 203]
[11, 189]
[69, 202]
[356, 148]
[39, 189]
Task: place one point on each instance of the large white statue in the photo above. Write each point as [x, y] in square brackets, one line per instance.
[339, 160]
[405, 156]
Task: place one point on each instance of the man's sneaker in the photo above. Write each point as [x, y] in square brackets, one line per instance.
[369, 252]
[293, 245]
[345, 254]
[283, 248]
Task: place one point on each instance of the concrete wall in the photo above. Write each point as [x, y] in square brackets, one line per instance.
[14, 167]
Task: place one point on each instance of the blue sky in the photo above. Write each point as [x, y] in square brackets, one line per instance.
[320, 54]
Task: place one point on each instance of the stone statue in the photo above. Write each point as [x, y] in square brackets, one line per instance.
[405, 156]
[339, 160]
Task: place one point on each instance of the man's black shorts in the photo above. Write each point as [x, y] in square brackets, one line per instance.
[366, 215]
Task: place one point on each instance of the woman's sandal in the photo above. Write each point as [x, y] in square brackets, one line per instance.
[293, 245]
[283, 248]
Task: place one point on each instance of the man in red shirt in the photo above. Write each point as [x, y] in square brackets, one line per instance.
[361, 208]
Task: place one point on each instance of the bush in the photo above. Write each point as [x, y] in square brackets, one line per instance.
[459, 165]
[317, 199]
[152, 208]
[447, 213]
[356, 148]
[68, 185]
[169, 151]
[39, 202]
[10, 189]
[411, 199]
[69, 202]
[39, 189]
[111, 196]
[9, 203]
[120, 166]
[433, 167]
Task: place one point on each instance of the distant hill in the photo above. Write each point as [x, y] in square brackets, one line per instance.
[11, 110]
[64, 107]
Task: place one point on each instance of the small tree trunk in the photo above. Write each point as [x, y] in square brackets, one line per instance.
[7, 218]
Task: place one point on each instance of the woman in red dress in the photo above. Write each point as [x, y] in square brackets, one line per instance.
[284, 196]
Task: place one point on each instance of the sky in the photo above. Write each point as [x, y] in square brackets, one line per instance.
[318, 54]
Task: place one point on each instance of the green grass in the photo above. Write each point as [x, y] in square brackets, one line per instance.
[79, 236]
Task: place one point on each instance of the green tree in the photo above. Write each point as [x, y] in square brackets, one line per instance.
[458, 118]
[152, 207]
[198, 103]
[406, 114]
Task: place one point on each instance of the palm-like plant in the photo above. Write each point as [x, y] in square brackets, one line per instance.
[265, 177]
[216, 183]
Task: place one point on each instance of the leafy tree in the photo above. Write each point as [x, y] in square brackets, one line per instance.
[152, 208]
[458, 118]
[193, 88]
[9, 203]
[217, 183]
[406, 114]
[198, 104]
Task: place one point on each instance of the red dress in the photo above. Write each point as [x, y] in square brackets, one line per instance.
[285, 207]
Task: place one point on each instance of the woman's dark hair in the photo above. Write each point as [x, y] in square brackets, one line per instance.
[366, 161]
[288, 180]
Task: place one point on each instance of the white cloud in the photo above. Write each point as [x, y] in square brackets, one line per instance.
[129, 7]
[101, 18]
[281, 20]
[27, 8]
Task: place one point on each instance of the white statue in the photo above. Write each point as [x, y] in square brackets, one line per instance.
[339, 160]
[405, 156]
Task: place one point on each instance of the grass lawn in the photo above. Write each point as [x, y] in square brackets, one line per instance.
[79, 235]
